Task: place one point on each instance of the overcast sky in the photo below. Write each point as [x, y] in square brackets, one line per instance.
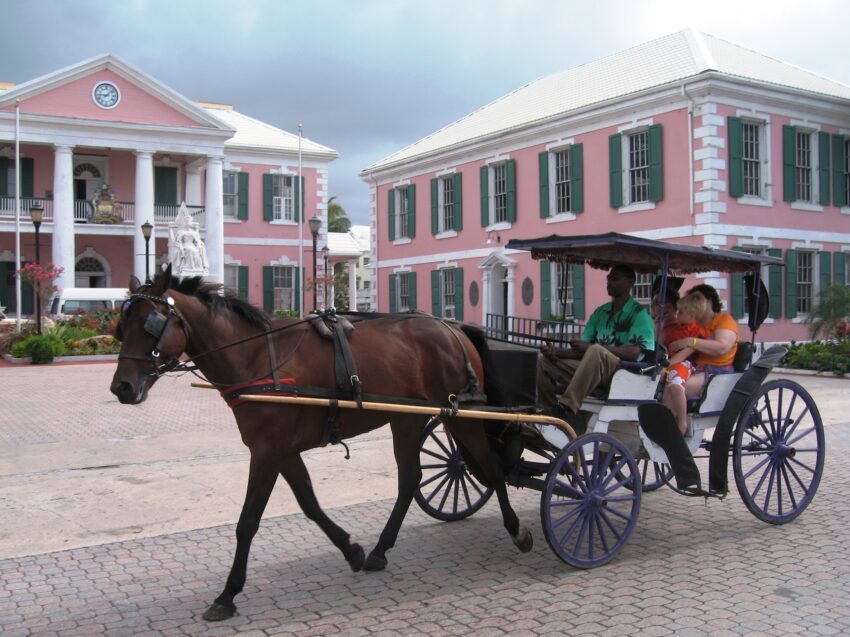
[367, 77]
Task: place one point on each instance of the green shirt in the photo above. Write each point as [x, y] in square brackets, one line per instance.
[632, 325]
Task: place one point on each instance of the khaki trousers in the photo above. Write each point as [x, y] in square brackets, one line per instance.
[596, 368]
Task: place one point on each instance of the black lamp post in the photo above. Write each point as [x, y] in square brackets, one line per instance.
[326, 251]
[315, 224]
[36, 214]
[147, 228]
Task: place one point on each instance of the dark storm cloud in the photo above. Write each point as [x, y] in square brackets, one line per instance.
[368, 77]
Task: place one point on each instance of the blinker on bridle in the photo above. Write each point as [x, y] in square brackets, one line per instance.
[156, 324]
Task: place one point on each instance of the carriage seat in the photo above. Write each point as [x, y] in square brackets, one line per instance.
[703, 403]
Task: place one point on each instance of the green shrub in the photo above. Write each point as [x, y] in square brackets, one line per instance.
[286, 313]
[99, 321]
[822, 357]
[42, 349]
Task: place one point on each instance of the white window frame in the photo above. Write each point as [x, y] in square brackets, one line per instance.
[280, 274]
[448, 302]
[283, 208]
[498, 175]
[631, 169]
[402, 210]
[626, 133]
[446, 183]
[230, 208]
[231, 277]
[557, 308]
[811, 203]
[402, 291]
[642, 289]
[809, 285]
[765, 186]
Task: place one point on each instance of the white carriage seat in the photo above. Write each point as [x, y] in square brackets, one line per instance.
[714, 394]
[633, 383]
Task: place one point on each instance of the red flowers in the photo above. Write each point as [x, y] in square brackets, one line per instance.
[41, 277]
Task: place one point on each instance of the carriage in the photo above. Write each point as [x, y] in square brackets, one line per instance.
[591, 486]
[462, 410]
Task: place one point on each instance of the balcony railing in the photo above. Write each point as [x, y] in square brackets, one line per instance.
[533, 332]
[123, 214]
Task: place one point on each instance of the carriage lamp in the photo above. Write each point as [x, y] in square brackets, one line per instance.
[147, 227]
[315, 224]
[37, 214]
[326, 252]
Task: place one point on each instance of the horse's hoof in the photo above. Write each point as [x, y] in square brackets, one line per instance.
[218, 612]
[356, 556]
[523, 540]
[375, 563]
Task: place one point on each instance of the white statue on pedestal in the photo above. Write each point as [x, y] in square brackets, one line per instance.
[186, 250]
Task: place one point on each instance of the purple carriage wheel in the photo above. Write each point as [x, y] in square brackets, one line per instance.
[590, 502]
[653, 475]
[778, 451]
[447, 491]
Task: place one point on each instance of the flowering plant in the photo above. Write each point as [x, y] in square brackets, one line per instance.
[41, 278]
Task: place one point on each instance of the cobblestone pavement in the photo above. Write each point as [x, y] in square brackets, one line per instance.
[689, 569]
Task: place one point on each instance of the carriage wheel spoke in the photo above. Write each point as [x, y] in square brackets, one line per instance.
[436, 476]
[788, 487]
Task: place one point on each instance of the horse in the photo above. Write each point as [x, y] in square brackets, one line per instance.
[232, 343]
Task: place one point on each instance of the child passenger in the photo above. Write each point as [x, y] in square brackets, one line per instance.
[689, 312]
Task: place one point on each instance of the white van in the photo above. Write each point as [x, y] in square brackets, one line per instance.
[69, 301]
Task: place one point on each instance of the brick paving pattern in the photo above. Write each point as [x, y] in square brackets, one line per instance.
[690, 569]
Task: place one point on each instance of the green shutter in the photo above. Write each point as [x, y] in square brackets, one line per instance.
[435, 206]
[411, 210]
[656, 163]
[28, 174]
[391, 214]
[510, 169]
[790, 283]
[823, 169]
[736, 156]
[268, 288]
[458, 294]
[737, 291]
[268, 208]
[164, 185]
[839, 195]
[545, 290]
[775, 285]
[825, 270]
[393, 293]
[484, 180]
[577, 178]
[436, 299]
[242, 282]
[789, 161]
[7, 291]
[458, 218]
[4, 179]
[615, 169]
[298, 198]
[839, 269]
[296, 276]
[411, 289]
[577, 272]
[242, 212]
[543, 165]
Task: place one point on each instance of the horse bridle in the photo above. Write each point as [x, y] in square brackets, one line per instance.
[156, 324]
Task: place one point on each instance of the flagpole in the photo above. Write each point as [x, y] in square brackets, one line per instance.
[18, 299]
[300, 209]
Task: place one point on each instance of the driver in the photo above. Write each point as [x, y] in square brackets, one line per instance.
[621, 329]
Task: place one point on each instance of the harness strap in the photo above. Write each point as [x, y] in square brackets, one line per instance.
[345, 369]
[273, 361]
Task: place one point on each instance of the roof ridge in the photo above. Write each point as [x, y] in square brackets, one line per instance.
[703, 58]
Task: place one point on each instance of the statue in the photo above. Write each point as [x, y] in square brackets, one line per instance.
[186, 250]
[105, 205]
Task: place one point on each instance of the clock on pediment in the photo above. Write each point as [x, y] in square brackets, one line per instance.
[106, 95]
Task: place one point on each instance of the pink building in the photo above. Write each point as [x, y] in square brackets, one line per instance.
[104, 122]
[687, 138]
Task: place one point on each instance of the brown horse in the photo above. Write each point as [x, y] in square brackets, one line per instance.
[232, 342]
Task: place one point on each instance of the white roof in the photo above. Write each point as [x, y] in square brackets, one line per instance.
[670, 59]
[252, 133]
[363, 236]
[343, 244]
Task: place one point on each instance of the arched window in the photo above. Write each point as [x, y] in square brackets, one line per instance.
[91, 169]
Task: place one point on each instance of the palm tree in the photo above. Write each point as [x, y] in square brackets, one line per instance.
[831, 310]
[338, 221]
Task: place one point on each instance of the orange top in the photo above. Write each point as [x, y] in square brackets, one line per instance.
[721, 321]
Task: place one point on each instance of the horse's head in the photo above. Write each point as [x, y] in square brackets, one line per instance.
[152, 335]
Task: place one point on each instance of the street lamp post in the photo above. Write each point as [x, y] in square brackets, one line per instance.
[326, 251]
[37, 214]
[315, 224]
[147, 228]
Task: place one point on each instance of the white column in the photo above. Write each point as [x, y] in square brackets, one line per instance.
[352, 285]
[193, 183]
[214, 218]
[144, 212]
[510, 275]
[64, 249]
[485, 293]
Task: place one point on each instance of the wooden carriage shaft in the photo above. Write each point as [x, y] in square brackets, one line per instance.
[410, 409]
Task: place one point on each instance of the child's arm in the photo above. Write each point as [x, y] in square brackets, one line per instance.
[682, 355]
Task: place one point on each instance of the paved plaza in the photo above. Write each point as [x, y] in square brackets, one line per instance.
[119, 520]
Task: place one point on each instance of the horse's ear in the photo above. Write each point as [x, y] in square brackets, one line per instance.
[135, 284]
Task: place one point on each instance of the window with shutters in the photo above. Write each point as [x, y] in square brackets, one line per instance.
[807, 168]
[11, 185]
[402, 211]
[805, 280]
[846, 180]
[563, 293]
[803, 167]
[764, 275]
[231, 278]
[642, 289]
[563, 193]
[283, 285]
[447, 292]
[638, 163]
[230, 192]
[403, 293]
[446, 203]
[752, 157]
[282, 198]
[500, 193]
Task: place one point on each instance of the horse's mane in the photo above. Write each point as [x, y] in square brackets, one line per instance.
[209, 294]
